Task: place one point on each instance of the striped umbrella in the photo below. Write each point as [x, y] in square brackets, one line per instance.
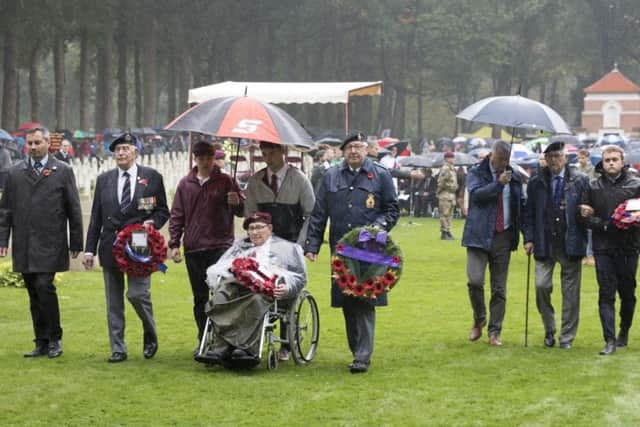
[243, 118]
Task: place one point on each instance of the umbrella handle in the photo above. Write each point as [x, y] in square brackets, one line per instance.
[235, 166]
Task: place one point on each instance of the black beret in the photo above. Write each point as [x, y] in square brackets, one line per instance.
[554, 146]
[125, 138]
[358, 136]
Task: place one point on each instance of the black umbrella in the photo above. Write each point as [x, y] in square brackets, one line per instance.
[421, 161]
[515, 112]
[328, 140]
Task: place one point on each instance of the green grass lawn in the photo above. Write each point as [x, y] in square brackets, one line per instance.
[424, 370]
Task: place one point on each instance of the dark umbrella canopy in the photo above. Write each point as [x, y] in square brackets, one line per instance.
[243, 117]
[329, 140]
[435, 160]
[421, 161]
[515, 112]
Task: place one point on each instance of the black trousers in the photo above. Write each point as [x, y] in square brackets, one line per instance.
[45, 311]
[197, 264]
[616, 273]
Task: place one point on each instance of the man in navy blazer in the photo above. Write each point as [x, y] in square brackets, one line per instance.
[128, 194]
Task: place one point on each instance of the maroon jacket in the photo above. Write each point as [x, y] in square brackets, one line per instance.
[201, 213]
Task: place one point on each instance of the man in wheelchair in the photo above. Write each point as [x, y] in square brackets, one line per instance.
[249, 278]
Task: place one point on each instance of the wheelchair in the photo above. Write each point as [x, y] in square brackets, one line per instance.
[302, 324]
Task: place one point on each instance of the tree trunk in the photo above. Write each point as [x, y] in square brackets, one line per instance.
[138, 84]
[34, 82]
[149, 68]
[122, 76]
[104, 84]
[60, 82]
[172, 78]
[83, 98]
[10, 72]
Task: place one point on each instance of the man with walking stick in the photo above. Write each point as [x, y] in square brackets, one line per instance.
[491, 232]
[553, 234]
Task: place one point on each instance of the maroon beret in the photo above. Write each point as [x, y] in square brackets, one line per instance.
[219, 154]
[263, 217]
[449, 155]
[203, 148]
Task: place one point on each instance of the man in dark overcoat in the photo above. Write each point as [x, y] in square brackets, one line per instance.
[554, 235]
[128, 194]
[41, 207]
[352, 194]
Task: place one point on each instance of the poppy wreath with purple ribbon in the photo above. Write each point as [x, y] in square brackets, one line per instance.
[624, 219]
[366, 263]
[140, 266]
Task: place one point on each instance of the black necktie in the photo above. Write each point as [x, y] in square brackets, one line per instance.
[557, 191]
[125, 200]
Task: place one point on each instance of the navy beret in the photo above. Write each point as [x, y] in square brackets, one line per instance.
[554, 146]
[125, 138]
[358, 136]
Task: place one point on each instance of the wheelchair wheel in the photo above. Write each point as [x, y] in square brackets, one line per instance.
[304, 328]
[272, 358]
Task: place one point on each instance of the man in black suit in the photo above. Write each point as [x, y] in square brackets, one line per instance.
[63, 154]
[128, 194]
[41, 208]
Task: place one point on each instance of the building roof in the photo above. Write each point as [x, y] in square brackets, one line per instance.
[613, 82]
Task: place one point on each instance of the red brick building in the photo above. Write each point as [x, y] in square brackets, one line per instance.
[612, 105]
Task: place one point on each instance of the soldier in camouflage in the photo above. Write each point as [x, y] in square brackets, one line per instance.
[447, 186]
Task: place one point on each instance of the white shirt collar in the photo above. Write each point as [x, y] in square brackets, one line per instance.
[280, 174]
[133, 171]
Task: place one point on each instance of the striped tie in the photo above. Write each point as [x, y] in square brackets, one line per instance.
[37, 166]
[125, 200]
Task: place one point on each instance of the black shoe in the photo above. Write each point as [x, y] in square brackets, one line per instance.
[623, 338]
[55, 349]
[549, 340]
[358, 367]
[565, 345]
[609, 348]
[209, 358]
[149, 350]
[40, 350]
[117, 357]
[450, 236]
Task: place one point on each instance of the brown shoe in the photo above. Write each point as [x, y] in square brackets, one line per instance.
[494, 340]
[476, 331]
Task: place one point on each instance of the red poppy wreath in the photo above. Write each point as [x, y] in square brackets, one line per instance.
[367, 263]
[249, 274]
[624, 218]
[135, 264]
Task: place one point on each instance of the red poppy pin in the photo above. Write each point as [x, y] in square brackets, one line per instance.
[370, 176]
[46, 172]
[143, 181]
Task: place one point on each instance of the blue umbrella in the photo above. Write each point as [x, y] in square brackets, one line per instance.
[5, 135]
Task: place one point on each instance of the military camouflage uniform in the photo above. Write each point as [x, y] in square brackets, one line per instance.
[447, 186]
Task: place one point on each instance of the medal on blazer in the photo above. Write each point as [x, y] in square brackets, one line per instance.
[147, 203]
[371, 202]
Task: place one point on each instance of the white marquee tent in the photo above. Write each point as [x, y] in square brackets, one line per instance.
[289, 93]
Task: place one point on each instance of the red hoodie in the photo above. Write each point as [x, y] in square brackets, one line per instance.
[202, 214]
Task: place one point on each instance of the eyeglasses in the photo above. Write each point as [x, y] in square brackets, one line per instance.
[256, 227]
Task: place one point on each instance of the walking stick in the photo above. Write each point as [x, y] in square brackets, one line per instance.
[526, 310]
